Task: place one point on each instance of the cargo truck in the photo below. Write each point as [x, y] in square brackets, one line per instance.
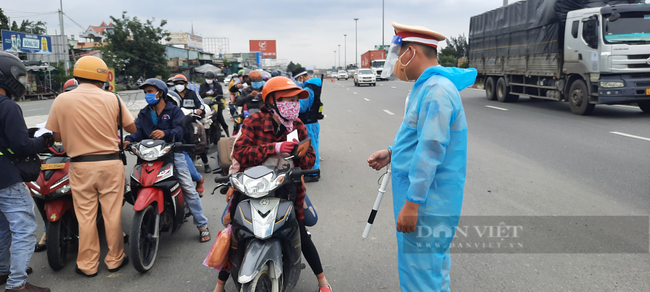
[374, 60]
[585, 52]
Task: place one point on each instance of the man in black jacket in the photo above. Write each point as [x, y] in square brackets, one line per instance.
[17, 218]
[211, 89]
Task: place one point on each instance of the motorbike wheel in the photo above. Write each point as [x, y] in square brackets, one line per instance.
[58, 238]
[261, 283]
[144, 247]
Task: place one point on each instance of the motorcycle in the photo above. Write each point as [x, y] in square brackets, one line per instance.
[156, 197]
[265, 245]
[214, 132]
[53, 187]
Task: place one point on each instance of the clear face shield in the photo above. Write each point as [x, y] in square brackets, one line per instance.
[392, 57]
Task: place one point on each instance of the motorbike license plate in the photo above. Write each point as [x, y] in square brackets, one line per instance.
[52, 166]
[647, 91]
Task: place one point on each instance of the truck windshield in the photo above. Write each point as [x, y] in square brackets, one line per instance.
[377, 64]
[630, 27]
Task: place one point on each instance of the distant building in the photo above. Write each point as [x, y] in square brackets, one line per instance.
[97, 33]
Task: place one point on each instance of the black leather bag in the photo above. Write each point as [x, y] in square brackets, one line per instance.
[29, 166]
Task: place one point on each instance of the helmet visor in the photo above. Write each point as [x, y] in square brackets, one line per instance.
[393, 56]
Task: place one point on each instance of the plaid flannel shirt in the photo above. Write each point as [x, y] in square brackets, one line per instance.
[257, 143]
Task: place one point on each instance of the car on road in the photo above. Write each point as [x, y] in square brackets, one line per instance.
[342, 75]
[228, 78]
[365, 76]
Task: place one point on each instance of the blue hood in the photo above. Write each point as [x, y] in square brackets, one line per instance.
[461, 78]
[315, 81]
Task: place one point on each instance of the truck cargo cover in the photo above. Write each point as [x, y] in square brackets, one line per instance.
[525, 27]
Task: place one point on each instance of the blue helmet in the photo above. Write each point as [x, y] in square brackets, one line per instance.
[157, 83]
[275, 73]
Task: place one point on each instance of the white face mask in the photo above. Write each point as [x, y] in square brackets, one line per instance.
[179, 87]
[208, 81]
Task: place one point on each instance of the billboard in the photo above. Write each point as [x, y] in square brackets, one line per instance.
[19, 42]
[267, 47]
[190, 41]
[111, 79]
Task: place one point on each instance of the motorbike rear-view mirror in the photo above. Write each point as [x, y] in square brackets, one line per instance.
[301, 149]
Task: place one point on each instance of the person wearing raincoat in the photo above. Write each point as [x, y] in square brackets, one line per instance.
[428, 158]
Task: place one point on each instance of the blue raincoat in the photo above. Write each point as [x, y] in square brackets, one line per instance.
[313, 129]
[428, 167]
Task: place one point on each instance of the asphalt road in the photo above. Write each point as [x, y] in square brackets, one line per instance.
[531, 158]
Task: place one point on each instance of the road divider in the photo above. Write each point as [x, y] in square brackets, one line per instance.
[630, 136]
[496, 108]
[389, 112]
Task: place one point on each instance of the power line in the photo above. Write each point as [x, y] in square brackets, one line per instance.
[6, 9]
[79, 25]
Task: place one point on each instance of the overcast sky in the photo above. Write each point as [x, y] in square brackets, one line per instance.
[307, 32]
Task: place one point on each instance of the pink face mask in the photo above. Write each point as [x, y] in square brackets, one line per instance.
[289, 110]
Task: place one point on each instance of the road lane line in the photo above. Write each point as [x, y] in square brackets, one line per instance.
[496, 108]
[630, 136]
[388, 112]
[366, 99]
[354, 92]
[31, 110]
[393, 87]
[626, 106]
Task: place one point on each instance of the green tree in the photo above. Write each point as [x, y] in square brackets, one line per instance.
[133, 47]
[448, 57]
[14, 26]
[459, 44]
[291, 66]
[4, 20]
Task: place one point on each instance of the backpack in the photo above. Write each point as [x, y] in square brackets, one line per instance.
[194, 133]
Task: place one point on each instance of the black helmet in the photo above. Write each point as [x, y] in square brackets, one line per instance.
[157, 83]
[13, 75]
[209, 75]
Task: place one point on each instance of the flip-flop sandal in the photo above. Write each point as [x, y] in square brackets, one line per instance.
[203, 233]
[200, 188]
[325, 289]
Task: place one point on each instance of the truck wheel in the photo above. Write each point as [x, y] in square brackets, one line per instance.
[645, 106]
[579, 99]
[489, 88]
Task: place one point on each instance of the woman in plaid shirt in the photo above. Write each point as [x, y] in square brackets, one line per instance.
[264, 135]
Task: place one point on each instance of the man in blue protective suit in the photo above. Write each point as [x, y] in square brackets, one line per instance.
[310, 112]
[428, 158]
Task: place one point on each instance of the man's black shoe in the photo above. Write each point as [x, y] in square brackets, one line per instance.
[207, 168]
[80, 272]
[312, 178]
[125, 262]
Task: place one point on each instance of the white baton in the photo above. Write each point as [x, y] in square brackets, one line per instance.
[380, 195]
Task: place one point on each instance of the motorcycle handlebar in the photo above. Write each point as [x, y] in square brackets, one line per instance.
[297, 172]
[222, 180]
[179, 147]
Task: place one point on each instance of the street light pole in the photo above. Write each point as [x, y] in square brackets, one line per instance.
[339, 56]
[334, 60]
[345, 51]
[355, 43]
[382, 24]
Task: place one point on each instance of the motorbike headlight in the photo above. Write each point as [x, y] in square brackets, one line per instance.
[258, 187]
[150, 154]
[63, 190]
[614, 84]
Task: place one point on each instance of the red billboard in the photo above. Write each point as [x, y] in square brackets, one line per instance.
[267, 47]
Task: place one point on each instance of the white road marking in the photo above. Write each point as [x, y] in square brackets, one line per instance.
[31, 110]
[381, 85]
[348, 88]
[496, 108]
[354, 92]
[388, 112]
[630, 136]
[393, 87]
[366, 99]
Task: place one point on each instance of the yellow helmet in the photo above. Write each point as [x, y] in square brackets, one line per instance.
[92, 68]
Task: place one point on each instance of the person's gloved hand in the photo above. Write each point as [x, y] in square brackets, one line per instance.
[48, 139]
[285, 147]
[31, 132]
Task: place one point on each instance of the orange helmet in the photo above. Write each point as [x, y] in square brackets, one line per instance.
[255, 76]
[70, 85]
[283, 86]
[90, 67]
[179, 77]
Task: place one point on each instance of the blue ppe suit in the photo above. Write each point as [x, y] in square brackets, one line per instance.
[429, 163]
[313, 129]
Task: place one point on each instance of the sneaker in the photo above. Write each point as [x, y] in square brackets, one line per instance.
[29, 288]
[207, 168]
